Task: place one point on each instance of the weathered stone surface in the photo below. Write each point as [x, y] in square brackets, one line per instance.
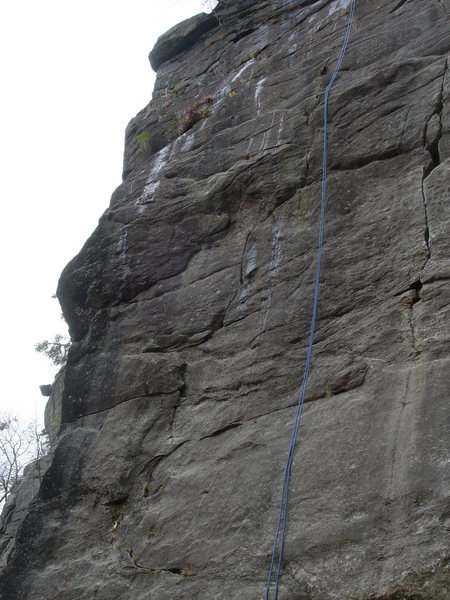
[46, 390]
[190, 306]
[181, 38]
[53, 408]
[17, 505]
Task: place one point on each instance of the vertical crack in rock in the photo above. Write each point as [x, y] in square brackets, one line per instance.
[396, 442]
[172, 420]
[431, 137]
[426, 233]
[247, 270]
[410, 297]
[433, 128]
[416, 287]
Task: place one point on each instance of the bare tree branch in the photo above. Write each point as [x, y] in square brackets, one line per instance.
[20, 445]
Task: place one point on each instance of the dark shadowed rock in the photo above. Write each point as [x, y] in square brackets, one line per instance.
[180, 38]
[190, 305]
[46, 390]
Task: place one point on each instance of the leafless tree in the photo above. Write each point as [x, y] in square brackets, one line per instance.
[20, 444]
[209, 5]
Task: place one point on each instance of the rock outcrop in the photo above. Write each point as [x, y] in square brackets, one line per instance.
[189, 310]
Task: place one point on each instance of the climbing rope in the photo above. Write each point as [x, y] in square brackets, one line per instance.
[282, 518]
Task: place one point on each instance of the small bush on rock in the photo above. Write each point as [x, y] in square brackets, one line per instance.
[143, 140]
[196, 113]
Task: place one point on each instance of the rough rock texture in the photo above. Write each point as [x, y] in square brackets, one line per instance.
[189, 308]
[181, 37]
[17, 504]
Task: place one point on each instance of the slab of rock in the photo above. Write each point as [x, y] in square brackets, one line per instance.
[181, 38]
[46, 390]
[189, 309]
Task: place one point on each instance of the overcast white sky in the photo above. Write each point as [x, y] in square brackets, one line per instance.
[72, 75]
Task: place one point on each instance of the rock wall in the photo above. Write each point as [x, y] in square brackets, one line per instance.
[189, 309]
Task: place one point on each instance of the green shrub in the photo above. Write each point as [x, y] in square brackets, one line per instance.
[143, 140]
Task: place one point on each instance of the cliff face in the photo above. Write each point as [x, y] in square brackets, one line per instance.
[190, 305]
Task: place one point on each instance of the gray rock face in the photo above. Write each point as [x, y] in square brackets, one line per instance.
[17, 505]
[190, 305]
[180, 38]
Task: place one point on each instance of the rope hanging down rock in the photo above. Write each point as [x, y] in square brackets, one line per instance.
[282, 518]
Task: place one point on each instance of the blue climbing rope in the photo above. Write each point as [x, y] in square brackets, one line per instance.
[282, 518]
